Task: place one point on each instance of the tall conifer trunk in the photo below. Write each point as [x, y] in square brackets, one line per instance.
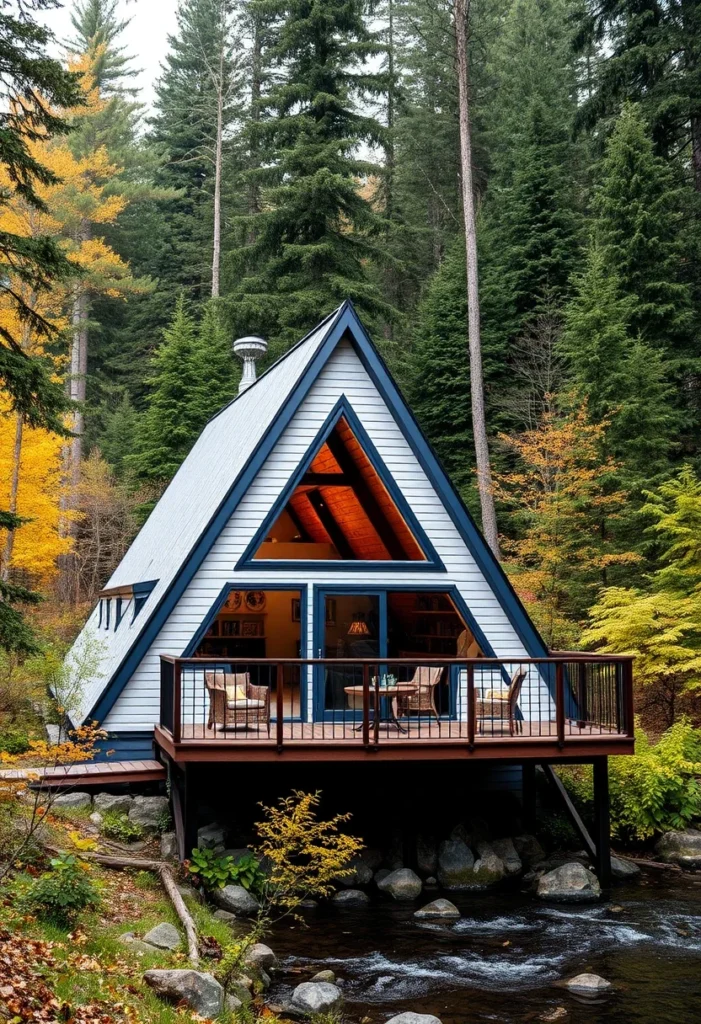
[479, 425]
[216, 244]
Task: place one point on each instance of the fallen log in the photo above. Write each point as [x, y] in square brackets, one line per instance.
[168, 881]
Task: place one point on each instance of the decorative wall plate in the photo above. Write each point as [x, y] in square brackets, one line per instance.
[255, 600]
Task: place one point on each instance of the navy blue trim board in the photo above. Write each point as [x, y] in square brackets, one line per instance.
[345, 323]
[343, 410]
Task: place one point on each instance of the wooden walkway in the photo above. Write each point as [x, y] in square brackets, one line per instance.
[93, 773]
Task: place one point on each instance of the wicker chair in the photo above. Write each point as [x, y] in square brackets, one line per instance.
[226, 713]
[500, 705]
[424, 698]
[467, 646]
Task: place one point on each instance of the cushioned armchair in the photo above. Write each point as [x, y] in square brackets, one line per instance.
[425, 680]
[235, 702]
[500, 705]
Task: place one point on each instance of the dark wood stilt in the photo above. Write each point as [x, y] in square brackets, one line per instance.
[528, 796]
[602, 820]
[190, 810]
[184, 810]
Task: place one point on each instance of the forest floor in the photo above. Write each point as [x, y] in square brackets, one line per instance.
[84, 974]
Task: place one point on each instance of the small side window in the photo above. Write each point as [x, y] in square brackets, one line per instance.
[139, 603]
[99, 614]
[118, 613]
[107, 613]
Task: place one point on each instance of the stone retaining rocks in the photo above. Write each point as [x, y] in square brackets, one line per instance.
[73, 801]
[455, 864]
[316, 997]
[426, 855]
[350, 898]
[235, 899]
[121, 804]
[163, 936]
[489, 868]
[130, 940]
[682, 848]
[529, 849]
[202, 992]
[571, 883]
[508, 855]
[438, 909]
[148, 811]
[588, 985]
[169, 846]
[211, 837]
[402, 884]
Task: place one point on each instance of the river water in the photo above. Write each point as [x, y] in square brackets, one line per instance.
[503, 960]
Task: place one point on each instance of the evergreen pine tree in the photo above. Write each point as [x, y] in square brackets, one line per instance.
[167, 432]
[637, 218]
[97, 28]
[213, 365]
[312, 238]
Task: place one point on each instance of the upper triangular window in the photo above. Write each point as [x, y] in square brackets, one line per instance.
[342, 505]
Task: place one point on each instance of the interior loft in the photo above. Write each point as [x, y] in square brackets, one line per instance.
[340, 509]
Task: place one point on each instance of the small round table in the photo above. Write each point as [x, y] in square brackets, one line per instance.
[384, 693]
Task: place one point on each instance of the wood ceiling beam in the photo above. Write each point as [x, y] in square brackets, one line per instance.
[297, 523]
[366, 498]
[327, 520]
[325, 480]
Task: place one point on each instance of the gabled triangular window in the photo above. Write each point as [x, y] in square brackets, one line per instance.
[342, 505]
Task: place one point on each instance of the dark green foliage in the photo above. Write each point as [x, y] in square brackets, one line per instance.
[193, 375]
[118, 826]
[311, 240]
[213, 871]
[638, 212]
[61, 893]
[651, 57]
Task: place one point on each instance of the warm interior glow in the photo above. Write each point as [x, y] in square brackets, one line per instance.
[341, 510]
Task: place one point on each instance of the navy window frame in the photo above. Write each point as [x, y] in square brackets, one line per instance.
[431, 561]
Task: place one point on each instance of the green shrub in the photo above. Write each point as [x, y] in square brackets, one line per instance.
[14, 741]
[61, 893]
[116, 825]
[164, 822]
[215, 871]
[655, 790]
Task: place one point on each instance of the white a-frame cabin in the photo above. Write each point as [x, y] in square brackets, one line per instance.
[311, 587]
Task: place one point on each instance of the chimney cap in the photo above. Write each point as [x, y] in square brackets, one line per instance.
[248, 349]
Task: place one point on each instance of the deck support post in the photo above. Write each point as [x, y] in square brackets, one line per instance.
[184, 809]
[528, 796]
[602, 820]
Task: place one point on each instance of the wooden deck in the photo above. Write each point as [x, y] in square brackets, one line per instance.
[320, 741]
[94, 773]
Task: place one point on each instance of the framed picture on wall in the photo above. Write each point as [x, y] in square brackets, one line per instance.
[251, 629]
[296, 609]
[330, 611]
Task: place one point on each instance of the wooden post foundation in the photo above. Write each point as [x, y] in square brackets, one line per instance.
[602, 820]
[528, 796]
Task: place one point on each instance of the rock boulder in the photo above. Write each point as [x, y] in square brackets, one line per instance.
[414, 1018]
[350, 898]
[508, 855]
[624, 870]
[489, 868]
[73, 801]
[120, 804]
[682, 848]
[455, 864]
[235, 899]
[588, 985]
[202, 992]
[402, 884]
[148, 811]
[438, 909]
[316, 997]
[426, 855]
[260, 956]
[571, 883]
[163, 936]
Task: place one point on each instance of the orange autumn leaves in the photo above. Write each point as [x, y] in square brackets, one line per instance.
[31, 459]
[564, 499]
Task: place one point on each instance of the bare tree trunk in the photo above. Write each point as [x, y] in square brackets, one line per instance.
[479, 425]
[14, 488]
[216, 247]
[256, 92]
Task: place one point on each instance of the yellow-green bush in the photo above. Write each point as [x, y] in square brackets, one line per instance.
[653, 791]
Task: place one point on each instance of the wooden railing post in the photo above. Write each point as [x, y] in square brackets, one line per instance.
[376, 705]
[560, 703]
[471, 706]
[366, 705]
[627, 669]
[177, 701]
[279, 706]
[582, 694]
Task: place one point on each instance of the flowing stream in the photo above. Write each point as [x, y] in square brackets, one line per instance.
[503, 960]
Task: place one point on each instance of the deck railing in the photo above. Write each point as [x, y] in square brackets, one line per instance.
[373, 701]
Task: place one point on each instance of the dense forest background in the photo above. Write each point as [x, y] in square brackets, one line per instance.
[305, 152]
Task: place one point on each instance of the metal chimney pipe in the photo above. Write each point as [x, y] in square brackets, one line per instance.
[248, 349]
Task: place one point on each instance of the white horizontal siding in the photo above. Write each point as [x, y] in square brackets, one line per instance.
[344, 374]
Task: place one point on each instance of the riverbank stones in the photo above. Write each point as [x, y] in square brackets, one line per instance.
[588, 985]
[571, 883]
[439, 909]
[316, 997]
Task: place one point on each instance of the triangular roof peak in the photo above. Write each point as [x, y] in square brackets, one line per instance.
[219, 470]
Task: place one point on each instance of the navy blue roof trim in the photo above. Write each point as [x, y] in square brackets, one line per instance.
[343, 410]
[341, 322]
[159, 615]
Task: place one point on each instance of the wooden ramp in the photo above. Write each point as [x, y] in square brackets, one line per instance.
[97, 773]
